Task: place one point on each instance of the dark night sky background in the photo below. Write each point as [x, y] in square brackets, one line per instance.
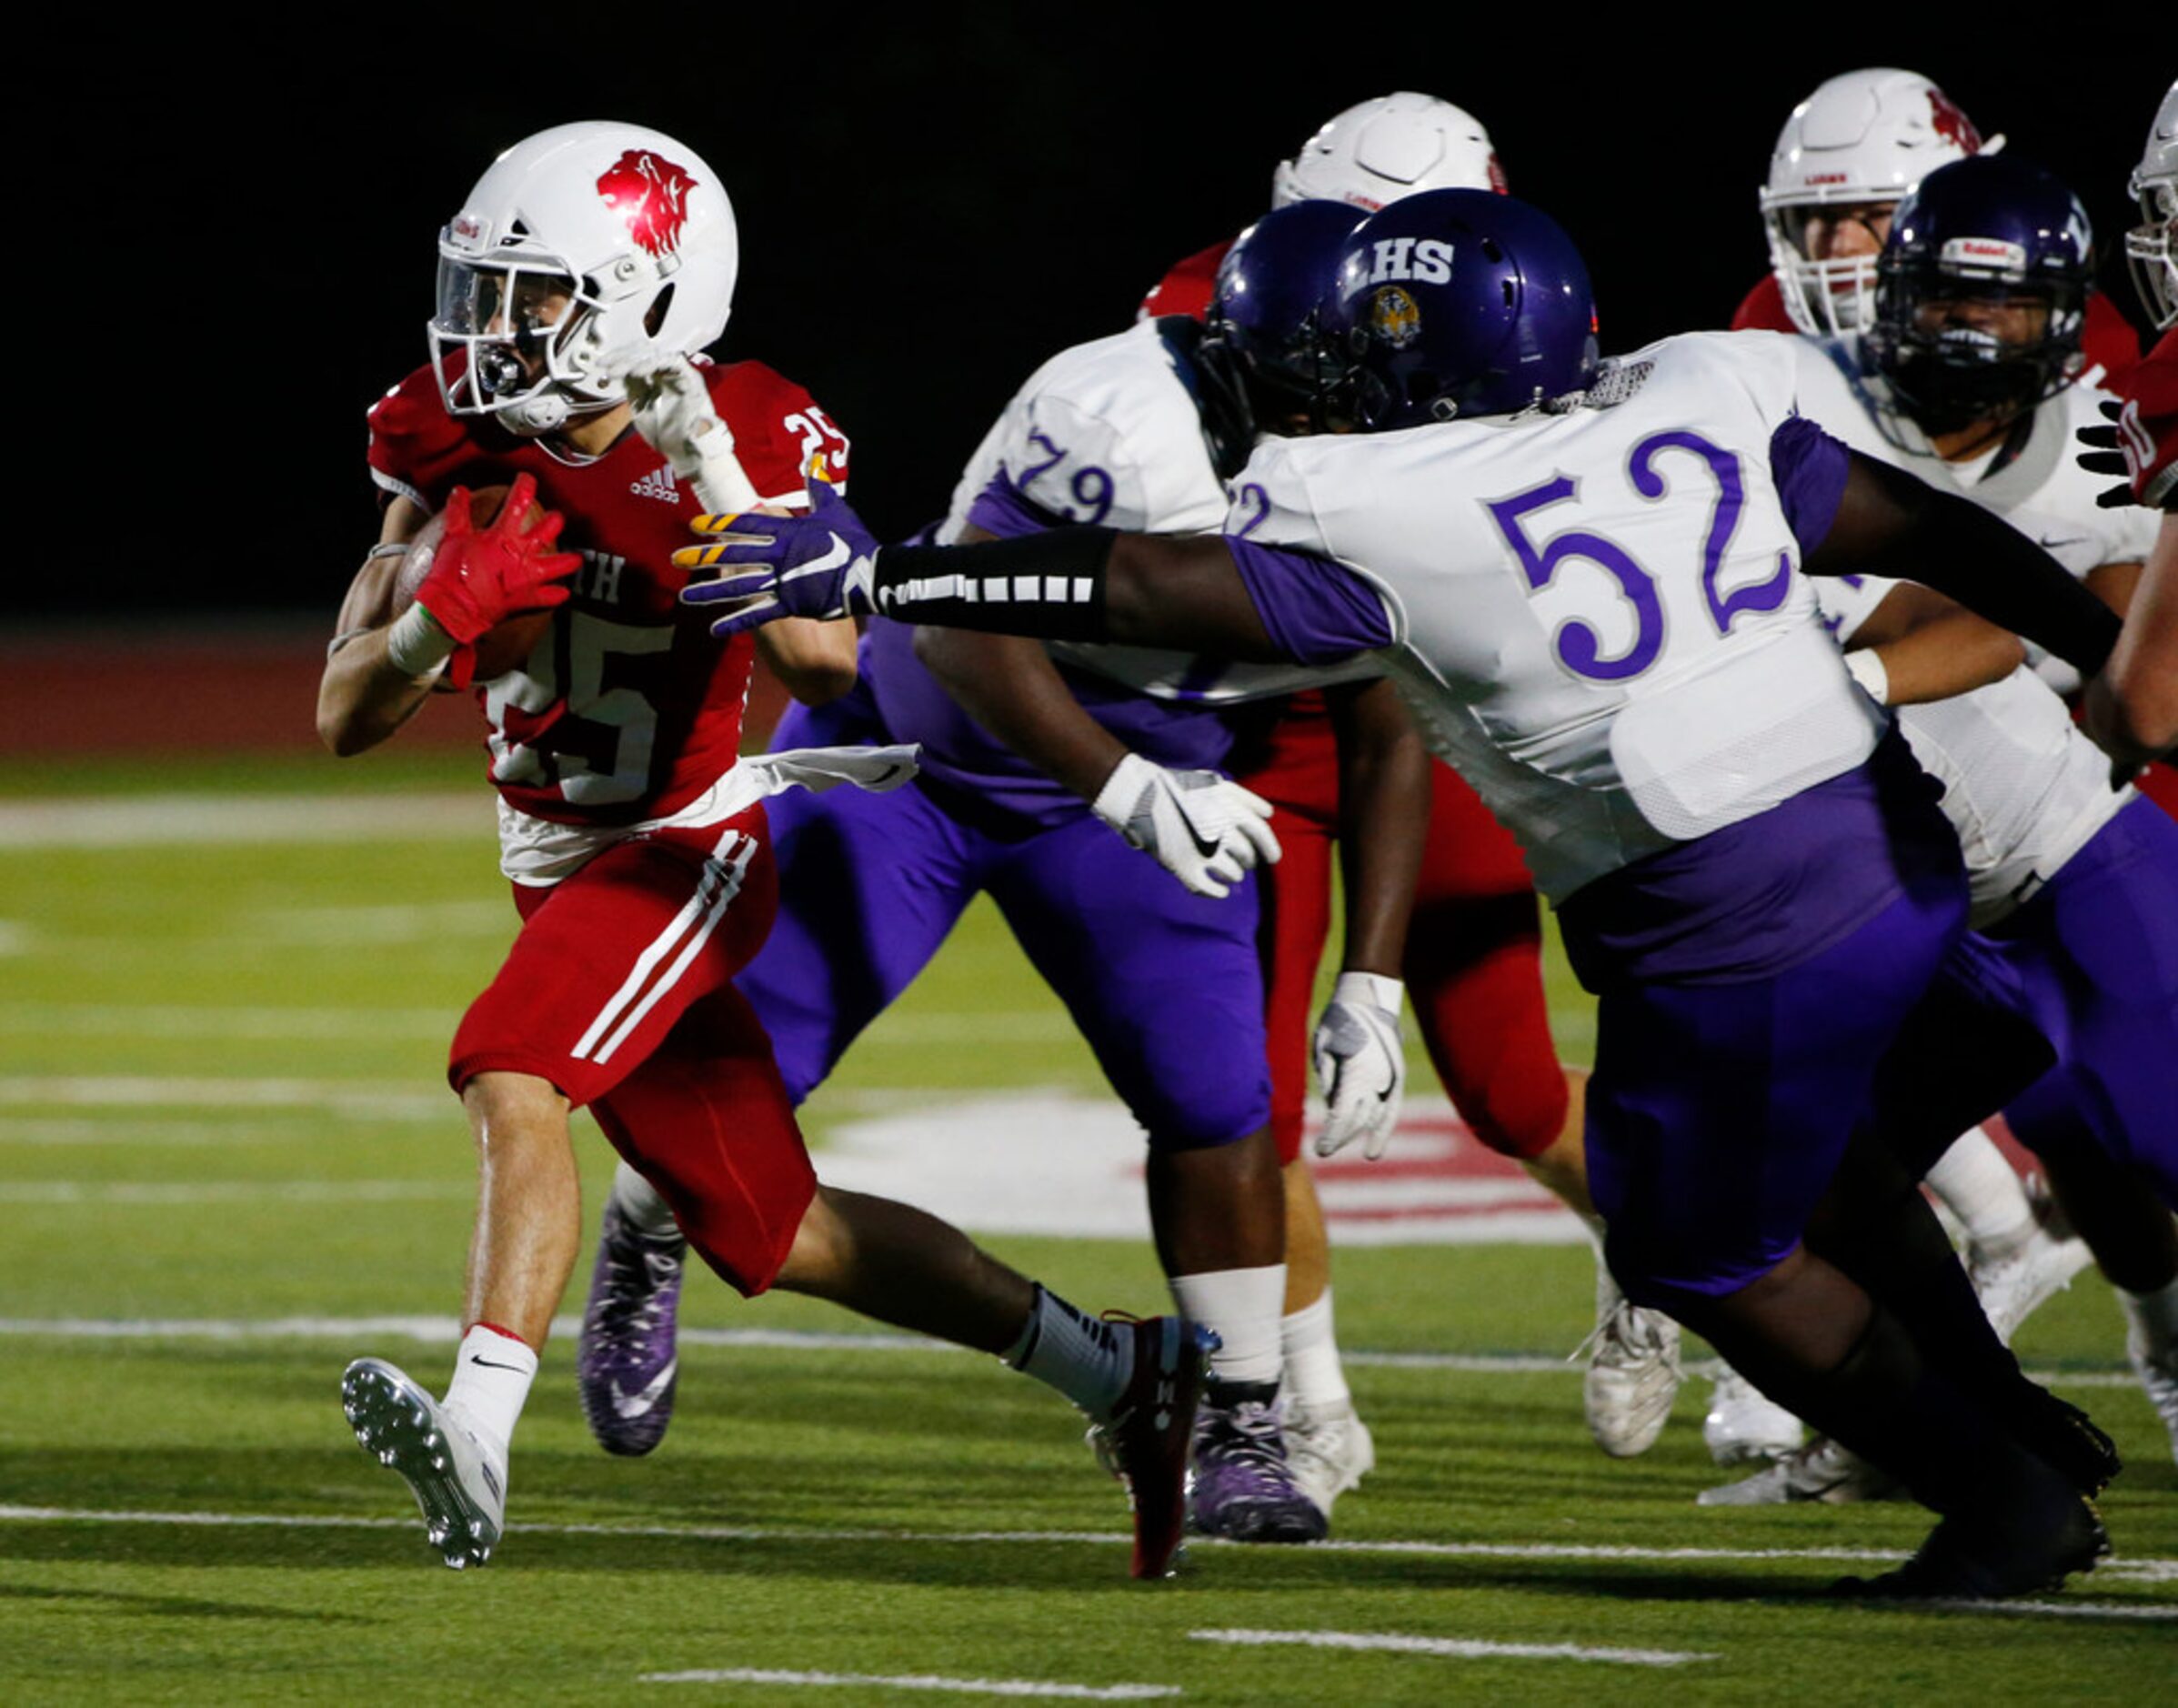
[926, 211]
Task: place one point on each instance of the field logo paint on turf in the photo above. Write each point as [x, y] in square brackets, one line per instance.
[1080, 1174]
[918, 1681]
[1454, 1648]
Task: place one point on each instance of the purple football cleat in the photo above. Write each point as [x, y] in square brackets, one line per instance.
[1242, 1487]
[1144, 1443]
[626, 1366]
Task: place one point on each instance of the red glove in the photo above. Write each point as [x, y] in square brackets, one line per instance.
[478, 580]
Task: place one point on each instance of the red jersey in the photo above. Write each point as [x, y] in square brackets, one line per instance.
[2107, 339]
[1187, 287]
[2149, 426]
[630, 709]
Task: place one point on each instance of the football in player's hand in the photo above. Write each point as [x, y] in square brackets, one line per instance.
[504, 647]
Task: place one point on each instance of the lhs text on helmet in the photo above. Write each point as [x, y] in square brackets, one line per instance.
[650, 192]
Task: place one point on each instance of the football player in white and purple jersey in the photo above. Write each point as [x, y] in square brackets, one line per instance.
[1161, 976]
[1588, 585]
[2073, 881]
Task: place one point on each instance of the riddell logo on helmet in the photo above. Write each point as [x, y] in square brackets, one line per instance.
[1984, 252]
[1952, 124]
[651, 194]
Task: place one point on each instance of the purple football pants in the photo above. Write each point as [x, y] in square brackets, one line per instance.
[1165, 985]
[2097, 952]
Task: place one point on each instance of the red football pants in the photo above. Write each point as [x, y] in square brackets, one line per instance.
[619, 991]
[1473, 964]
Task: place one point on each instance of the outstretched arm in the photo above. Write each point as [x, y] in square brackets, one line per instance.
[1889, 523]
[1930, 647]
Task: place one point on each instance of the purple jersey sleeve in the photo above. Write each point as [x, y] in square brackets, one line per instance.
[1809, 467]
[1005, 512]
[1315, 611]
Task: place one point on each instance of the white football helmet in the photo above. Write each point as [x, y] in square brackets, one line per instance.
[1864, 137]
[1388, 147]
[583, 249]
[2151, 246]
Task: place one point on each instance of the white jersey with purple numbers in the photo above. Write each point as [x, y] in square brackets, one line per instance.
[1598, 617]
[1108, 435]
[2034, 480]
[2022, 785]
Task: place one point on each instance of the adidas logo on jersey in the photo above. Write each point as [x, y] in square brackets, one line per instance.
[656, 484]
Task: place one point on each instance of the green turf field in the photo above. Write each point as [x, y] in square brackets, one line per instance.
[224, 1139]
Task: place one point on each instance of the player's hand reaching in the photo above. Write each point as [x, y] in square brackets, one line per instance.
[1204, 828]
[675, 414]
[1359, 1063]
[817, 565]
[480, 578]
[2121, 450]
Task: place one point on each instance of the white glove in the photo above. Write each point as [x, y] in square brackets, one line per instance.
[1203, 828]
[1359, 1063]
[674, 414]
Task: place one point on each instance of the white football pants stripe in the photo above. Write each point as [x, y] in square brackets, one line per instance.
[721, 883]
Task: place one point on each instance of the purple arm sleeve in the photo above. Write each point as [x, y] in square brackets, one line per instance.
[1809, 467]
[1315, 611]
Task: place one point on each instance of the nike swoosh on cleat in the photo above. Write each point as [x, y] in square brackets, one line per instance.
[632, 1405]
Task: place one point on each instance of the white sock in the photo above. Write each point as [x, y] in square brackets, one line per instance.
[1087, 1361]
[1242, 1308]
[1980, 1188]
[2154, 1314]
[492, 1374]
[1314, 1377]
[643, 1205]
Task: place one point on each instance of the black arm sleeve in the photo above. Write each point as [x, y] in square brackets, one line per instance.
[1889, 523]
[1050, 584]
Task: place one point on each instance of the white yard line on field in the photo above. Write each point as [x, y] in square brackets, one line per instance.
[52, 1192]
[445, 1331]
[1453, 1648]
[163, 820]
[2145, 1570]
[169, 1092]
[916, 1681]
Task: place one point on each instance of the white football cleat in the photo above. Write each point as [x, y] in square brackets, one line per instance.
[1327, 1453]
[2012, 1287]
[1822, 1470]
[1633, 1371]
[1745, 1426]
[458, 1479]
[2157, 1368]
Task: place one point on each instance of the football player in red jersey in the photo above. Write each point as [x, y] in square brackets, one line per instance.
[1474, 958]
[634, 836]
[1845, 157]
[2132, 706]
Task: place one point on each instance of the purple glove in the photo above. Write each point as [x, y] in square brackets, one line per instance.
[817, 565]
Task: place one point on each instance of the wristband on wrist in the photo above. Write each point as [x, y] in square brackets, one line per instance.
[1116, 801]
[1372, 988]
[1871, 673]
[416, 645]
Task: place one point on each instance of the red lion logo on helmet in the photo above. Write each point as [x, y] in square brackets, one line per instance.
[651, 194]
[1950, 122]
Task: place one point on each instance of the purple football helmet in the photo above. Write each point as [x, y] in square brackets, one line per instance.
[1981, 292]
[1261, 360]
[1458, 303]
